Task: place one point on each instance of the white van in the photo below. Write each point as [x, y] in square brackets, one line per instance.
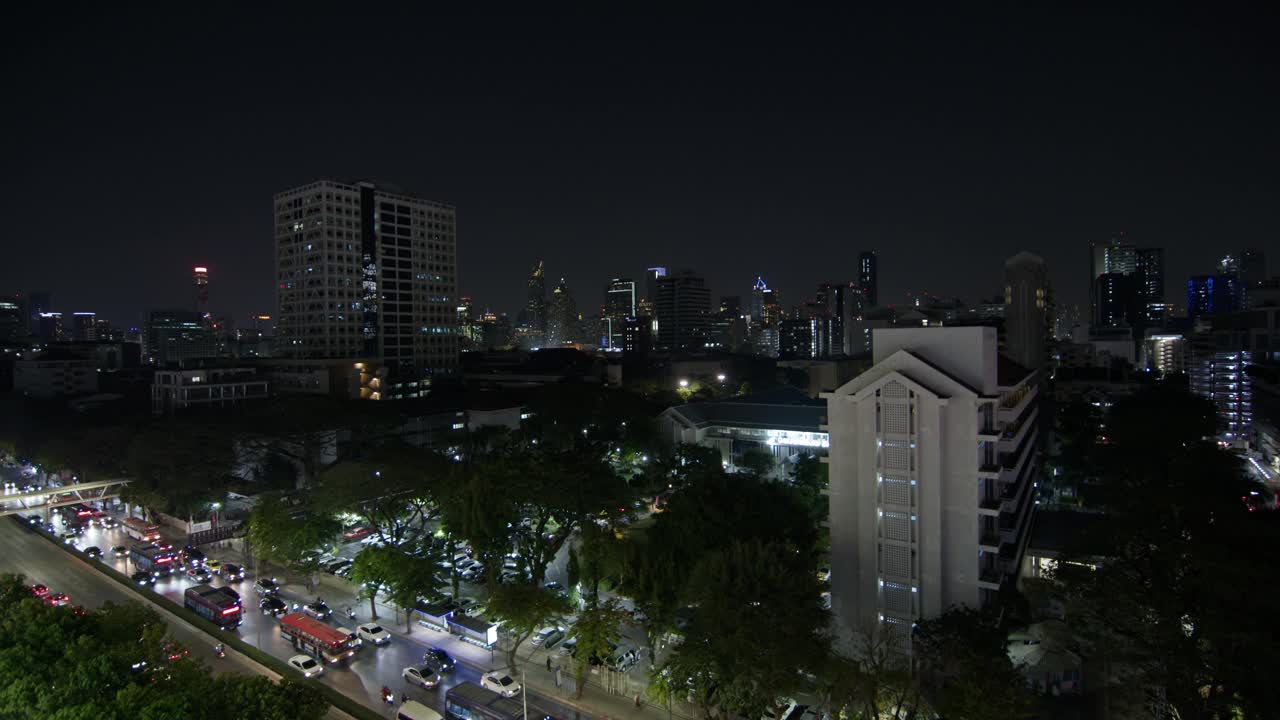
[414, 710]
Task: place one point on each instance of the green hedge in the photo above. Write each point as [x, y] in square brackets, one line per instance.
[335, 698]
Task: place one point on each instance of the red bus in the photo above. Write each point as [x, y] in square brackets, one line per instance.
[315, 638]
[141, 530]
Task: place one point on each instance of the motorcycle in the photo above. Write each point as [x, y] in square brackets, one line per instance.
[351, 614]
[387, 696]
[219, 651]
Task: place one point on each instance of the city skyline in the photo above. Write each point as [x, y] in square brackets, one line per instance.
[732, 161]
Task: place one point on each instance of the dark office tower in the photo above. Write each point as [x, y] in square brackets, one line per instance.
[1027, 314]
[795, 339]
[1116, 300]
[535, 308]
[728, 330]
[14, 320]
[1149, 268]
[853, 322]
[38, 302]
[830, 302]
[51, 327]
[201, 275]
[365, 271]
[758, 292]
[619, 304]
[683, 307]
[1253, 267]
[651, 277]
[867, 278]
[562, 317]
[1116, 256]
[84, 326]
[1213, 295]
[176, 335]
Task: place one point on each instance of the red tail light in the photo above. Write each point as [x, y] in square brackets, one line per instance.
[231, 611]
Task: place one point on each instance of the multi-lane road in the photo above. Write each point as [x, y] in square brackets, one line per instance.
[371, 669]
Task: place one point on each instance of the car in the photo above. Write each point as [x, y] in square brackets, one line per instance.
[353, 636]
[212, 565]
[342, 571]
[306, 665]
[548, 637]
[49, 528]
[374, 633]
[788, 705]
[93, 551]
[639, 617]
[273, 605]
[421, 675]
[120, 551]
[554, 587]
[230, 572]
[357, 533]
[441, 660]
[199, 574]
[108, 523]
[192, 556]
[39, 590]
[569, 647]
[143, 578]
[501, 683]
[57, 599]
[333, 568]
[35, 519]
[824, 574]
[318, 610]
[266, 586]
[69, 538]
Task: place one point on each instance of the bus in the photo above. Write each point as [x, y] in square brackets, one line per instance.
[159, 561]
[216, 604]
[469, 701]
[315, 638]
[141, 530]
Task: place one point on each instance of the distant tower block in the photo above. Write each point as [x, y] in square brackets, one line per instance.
[202, 290]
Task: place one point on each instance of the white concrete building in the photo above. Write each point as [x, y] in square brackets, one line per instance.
[933, 459]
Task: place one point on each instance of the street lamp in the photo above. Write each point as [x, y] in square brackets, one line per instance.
[684, 383]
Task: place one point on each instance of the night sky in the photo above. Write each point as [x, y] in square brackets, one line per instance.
[138, 143]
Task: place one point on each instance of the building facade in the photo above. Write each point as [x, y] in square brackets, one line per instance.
[364, 271]
[868, 278]
[1028, 317]
[619, 304]
[683, 308]
[55, 374]
[178, 335]
[933, 459]
[175, 390]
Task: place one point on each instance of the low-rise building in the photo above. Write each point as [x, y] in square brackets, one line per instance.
[174, 390]
[55, 374]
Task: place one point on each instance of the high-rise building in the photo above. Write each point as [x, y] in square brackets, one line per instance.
[201, 275]
[534, 317]
[14, 320]
[728, 329]
[830, 303]
[683, 308]
[365, 271]
[1253, 267]
[562, 317]
[1028, 313]
[933, 461]
[38, 302]
[796, 339]
[1149, 266]
[758, 291]
[853, 323]
[1118, 257]
[52, 327]
[84, 326]
[1214, 295]
[177, 335]
[619, 304]
[868, 279]
[651, 277]
[1116, 301]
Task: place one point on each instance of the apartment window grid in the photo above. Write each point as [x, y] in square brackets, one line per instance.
[896, 509]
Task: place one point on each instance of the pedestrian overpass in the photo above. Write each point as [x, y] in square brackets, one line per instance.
[13, 502]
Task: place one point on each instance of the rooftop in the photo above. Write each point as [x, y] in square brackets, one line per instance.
[784, 408]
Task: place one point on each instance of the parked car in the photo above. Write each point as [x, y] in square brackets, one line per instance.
[548, 637]
[333, 568]
[500, 683]
[93, 551]
[357, 533]
[273, 605]
[441, 660]
[569, 647]
[306, 665]
[317, 609]
[374, 633]
[422, 675]
[266, 586]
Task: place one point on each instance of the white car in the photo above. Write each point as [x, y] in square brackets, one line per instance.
[306, 665]
[548, 637]
[356, 640]
[374, 633]
[423, 675]
[504, 685]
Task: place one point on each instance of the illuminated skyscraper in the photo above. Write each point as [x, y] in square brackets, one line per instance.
[619, 304]
[202, 291]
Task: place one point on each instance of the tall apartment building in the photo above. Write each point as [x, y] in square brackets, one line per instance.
[619, 304]
[1028, 310]
[933, 459]
[364, 271]
[868, 278]
[683, 307]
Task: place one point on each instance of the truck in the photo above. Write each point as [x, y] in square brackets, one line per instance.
[473, 630]
[215, 604]
[159, 561]
[314, 638]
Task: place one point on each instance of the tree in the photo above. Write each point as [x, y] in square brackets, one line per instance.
[757, 463]
[372, 569]
[389, 489]
[875, 682]
[525, 608]
[965, 668]
[288, 536]
[737, 593]
[597, 630]
[572, 570]
[181, 466]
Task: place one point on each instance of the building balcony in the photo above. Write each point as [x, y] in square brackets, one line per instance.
[990, 576]
[990, 540]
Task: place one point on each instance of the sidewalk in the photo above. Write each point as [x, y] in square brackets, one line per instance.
[596, 702]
